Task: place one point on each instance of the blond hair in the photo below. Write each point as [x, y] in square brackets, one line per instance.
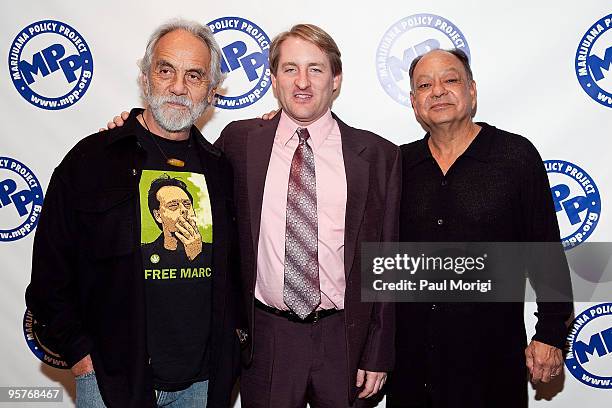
[312, 34]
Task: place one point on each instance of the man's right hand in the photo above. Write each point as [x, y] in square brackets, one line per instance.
[269, 115]
[82, 367]
[118, 121]
[189, 234]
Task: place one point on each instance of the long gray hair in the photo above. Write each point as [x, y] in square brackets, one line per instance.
[199, 30]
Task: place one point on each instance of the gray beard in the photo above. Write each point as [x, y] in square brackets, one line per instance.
[170, 119]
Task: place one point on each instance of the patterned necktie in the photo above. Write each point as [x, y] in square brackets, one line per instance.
[301, 292]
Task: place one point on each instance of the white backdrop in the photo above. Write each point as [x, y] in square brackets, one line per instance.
[523, 56]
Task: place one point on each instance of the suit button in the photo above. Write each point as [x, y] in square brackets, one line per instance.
[440, 221]
[433, 307]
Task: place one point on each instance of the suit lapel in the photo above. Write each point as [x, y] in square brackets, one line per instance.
[357, 171]
[259, 150]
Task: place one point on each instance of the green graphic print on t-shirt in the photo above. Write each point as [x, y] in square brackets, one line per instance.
[195, 185]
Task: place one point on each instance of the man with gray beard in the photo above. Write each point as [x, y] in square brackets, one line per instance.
[132, 311]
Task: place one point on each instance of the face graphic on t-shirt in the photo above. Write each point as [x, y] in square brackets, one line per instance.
[174, 208]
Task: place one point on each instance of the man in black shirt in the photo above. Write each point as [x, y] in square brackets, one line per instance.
[131, 310]
[471, 182]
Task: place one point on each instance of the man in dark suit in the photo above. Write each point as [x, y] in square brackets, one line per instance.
[309, 189]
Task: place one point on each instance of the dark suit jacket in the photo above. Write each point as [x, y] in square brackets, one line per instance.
[372, 166]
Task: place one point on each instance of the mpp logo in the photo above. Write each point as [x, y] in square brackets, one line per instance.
[594, 61]
[31, 329]
[577, 201]
[589, 356]
[407, 39]
[21, 199]
[245, 48]
[50, 64]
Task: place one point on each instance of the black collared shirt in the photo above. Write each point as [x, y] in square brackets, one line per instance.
[496, 191]
[492, 193]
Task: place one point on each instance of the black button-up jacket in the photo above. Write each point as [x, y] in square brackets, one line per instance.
[87, 287]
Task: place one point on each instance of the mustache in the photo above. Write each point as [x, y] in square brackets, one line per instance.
[176, 99]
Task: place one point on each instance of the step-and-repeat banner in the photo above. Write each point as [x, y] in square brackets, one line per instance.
[543, 70]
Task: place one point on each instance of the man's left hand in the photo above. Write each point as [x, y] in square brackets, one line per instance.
[544, 362]
[372, 382]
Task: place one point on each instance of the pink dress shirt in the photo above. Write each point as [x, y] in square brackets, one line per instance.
[326, 145]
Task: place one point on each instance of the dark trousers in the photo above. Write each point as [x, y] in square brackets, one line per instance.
[297, 363]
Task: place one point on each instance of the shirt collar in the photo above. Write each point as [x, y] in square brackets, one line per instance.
[479, 149]
[128, 129]
[318, 130]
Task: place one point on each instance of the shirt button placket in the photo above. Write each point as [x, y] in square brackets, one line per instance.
[444, 192]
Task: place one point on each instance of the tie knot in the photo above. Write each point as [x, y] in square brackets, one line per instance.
[303, 134]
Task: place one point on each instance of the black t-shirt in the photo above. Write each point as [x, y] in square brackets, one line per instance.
[176, 238]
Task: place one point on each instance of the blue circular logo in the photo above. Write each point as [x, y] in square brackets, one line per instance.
[407, 39]
[576, 200]
[593, 61]
[589, 352]
[245, 47]
[42, 352]
[50, 64]
[21, 199]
